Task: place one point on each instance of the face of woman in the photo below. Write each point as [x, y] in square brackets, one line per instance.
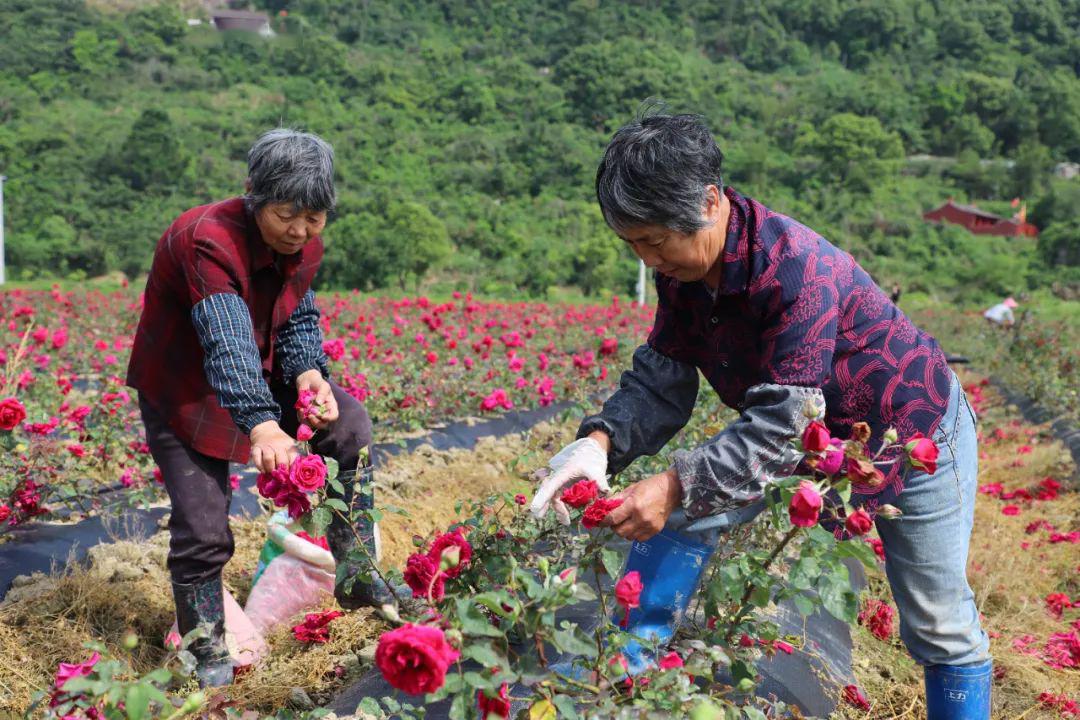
[287, 230]
[687, 257]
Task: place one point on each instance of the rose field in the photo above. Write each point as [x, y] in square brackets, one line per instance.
[488, 633]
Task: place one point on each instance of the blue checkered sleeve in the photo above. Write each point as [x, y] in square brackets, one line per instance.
[299, 343]
[223, 324]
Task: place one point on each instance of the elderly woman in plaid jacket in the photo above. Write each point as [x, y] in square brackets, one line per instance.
[228, 338]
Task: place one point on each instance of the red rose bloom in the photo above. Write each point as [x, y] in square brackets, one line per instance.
[415, 658]
[451, 539]
[12, 413]
[580, 493]
[877, 617]
[419, 571]
[853, 695]
[628, 593]
[595, 513]
[815, 437]
[671, 661]
[805, 505]
[922, 453]
[858, 522]
[499, 706]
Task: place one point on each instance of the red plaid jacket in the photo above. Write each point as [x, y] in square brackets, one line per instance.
[209, 250]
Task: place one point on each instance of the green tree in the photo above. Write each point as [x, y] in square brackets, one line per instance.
[151, 155]
[853, 151]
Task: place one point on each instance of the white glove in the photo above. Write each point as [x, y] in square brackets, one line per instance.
[581, 459]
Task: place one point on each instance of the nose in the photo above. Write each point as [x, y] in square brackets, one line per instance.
[297, 230]
[648, 255]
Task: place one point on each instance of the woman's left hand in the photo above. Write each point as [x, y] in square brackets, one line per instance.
[646, 506]
[324, 397]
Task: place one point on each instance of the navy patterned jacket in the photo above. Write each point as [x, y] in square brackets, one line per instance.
[794, 319]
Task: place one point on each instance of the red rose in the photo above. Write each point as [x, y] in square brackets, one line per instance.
[595, 513]
[499, 706]
[419, 571]
[315, 628]
[877, 617]
[628, 593]
[451, 540]
[859, 522]
[308, 473]
[671, 661]
[878, 547]
[304, 433]
[815, 437]
[12, 413]
[805, 505]
[415, 658]
[5, 512]
[853, 695]
[581, 493]
[922, 453]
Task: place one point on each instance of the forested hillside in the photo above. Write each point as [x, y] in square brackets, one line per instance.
[468, 132]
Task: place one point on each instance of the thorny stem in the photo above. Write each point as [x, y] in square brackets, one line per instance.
[361, 545]
[577, 683]
[540, 649]
[744, 601]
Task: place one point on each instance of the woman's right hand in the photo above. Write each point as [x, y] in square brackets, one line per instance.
[582, 459]
[271, 447]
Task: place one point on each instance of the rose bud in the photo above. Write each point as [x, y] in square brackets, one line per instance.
[889, 512]
[890, 436]
[815, 438]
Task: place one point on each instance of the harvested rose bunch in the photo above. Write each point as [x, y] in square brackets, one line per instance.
[290, 487]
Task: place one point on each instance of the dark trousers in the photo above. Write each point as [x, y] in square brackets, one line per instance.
[201, 541]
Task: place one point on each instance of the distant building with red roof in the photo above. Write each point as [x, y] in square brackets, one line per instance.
[982, 222]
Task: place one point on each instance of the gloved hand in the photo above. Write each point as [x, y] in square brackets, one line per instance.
[581, 459]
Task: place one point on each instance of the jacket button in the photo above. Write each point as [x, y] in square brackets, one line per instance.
[723, 363]
[714, 319]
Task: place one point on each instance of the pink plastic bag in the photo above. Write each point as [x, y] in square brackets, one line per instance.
[244, 640]
[287, 586]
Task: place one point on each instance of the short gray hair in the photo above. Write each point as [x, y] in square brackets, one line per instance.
[655, 171]
[290, 166]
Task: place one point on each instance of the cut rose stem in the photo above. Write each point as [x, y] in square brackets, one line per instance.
[743, 608]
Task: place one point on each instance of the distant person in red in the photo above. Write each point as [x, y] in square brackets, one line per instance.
[229, 335]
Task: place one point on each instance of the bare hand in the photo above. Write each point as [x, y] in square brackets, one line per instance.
[324, 398]
[271, 447]
[646, 506]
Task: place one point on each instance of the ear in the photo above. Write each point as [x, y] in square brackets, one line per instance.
[713, 205]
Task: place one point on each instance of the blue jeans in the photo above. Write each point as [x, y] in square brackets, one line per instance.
[926, 549]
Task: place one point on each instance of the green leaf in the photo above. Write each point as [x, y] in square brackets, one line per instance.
[320, 520]
[760, 596]
[858, 550]
[370, 706]
[159, 676]
[137, 701]
[336, 486]
[574, 640]
[335, 504]
[565, 706]
[473, 621]
[804, 604]
[484, 654]
[542, 710]
[459, 708]
[331, 468]
[753, 713]
[480, 681]
[613, 561]
[391, 704]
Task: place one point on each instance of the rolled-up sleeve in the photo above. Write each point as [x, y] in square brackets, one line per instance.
[299, 343]
[653, 402]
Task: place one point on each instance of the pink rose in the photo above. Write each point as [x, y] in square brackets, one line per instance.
[671, 661]
[854, 696]
[415, 658]
[66, 671]
[315, 628]
[805, 505]
[420, 571]
[308, 472]
[304, 433]
[833, 460]
[498, 706]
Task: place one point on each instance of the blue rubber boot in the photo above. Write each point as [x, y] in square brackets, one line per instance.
[958, 692]
[671, 565]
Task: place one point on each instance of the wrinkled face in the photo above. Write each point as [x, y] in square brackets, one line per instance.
[687, 257]
[287, 230]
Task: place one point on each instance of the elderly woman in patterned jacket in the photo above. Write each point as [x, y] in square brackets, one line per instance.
[772, 315]
[228, 338]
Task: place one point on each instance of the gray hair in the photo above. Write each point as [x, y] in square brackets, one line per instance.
[655, 171]
[287, 165]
